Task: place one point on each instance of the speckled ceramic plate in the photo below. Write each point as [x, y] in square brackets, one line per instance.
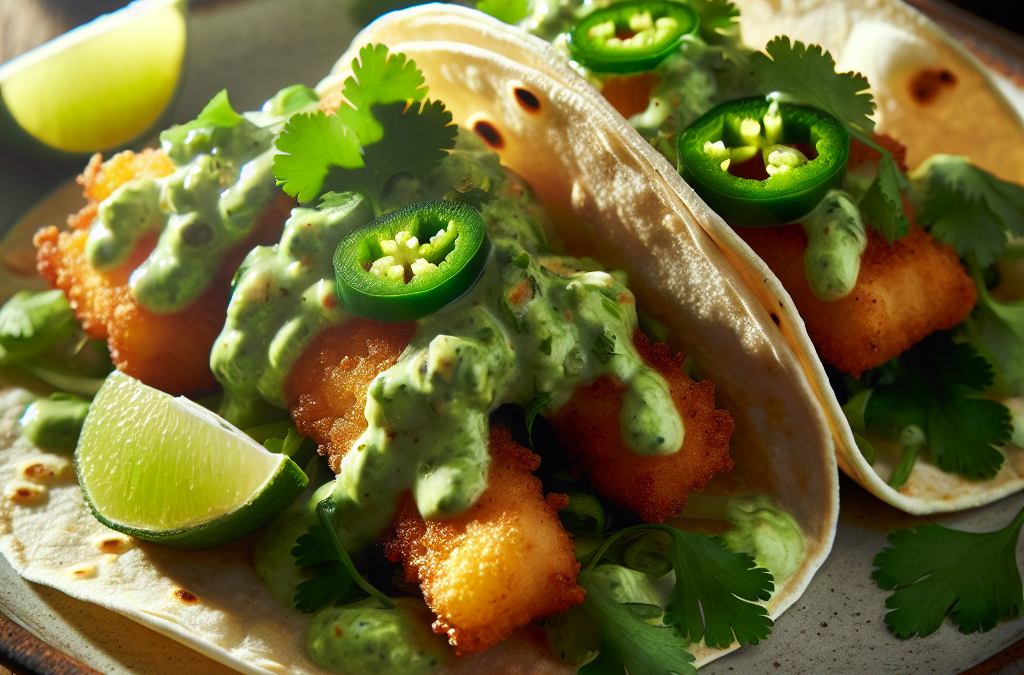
[256, 47]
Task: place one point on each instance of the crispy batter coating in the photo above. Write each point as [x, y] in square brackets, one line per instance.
[653, 487]
[904, 291]
[503, 563]
[100, 179]
[168, 351]
[326, 388]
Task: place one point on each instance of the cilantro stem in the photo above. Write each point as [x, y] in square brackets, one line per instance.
[865, 139]
[901, 472]
[325, 512]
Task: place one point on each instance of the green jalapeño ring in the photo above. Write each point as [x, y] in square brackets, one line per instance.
[631, 37]
[737, 131]
[411, 262]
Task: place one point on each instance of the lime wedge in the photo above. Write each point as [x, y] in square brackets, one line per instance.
[168, 470]
[97, 87]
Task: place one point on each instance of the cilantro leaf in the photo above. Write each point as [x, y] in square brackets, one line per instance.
[628, 642]
[882, 204]
[509, 11]
[182, 142]
[967, 207]
[716, 16]
[715, 592]
[996, 330]
[807, 75]
[539, 400]
[377, 79]
[719, 20]
[315, 553]
[313, 143]
[930, 390]
[379, 132]
[416, 142]
[972, 576]
[334, 575]
[604, 346]
[218, 113]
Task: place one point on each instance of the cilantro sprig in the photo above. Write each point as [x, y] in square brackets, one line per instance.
[996, 330]
[627, 642]
[967, 207]
[385, 127]
[972, 576]
[806, 75]
[932, 389]
[335, 578]
[714, 599]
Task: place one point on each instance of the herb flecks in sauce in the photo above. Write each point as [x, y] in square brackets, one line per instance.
[284, 295]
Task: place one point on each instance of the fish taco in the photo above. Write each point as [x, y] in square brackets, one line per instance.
[445, 423]
[881, 213]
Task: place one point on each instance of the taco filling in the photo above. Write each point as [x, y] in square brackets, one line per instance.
[906, 280]
[501, 437]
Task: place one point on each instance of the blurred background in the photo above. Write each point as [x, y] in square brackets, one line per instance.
[27, 23]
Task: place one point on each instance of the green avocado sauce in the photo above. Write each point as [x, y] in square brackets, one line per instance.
[283, 296]
[54, 423]
[766, 532]
[523, 331]
[836, 238]
[222, 182]
[366, 638]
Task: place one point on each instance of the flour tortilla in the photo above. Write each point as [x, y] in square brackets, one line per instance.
[609, 195]
[892, 43]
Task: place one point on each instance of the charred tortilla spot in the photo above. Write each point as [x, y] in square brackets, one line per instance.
[113, 544]
[185, 596]
[926, 86]
[489, 133]
[526, 98]
[775, 318]
[37, 470]
[26, 493]
[83, 571]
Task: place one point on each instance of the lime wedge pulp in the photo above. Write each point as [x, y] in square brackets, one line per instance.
[168, 470]
[96, 87]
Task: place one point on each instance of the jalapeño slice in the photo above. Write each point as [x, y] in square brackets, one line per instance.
[411, 262]
[632, 36]
[733, 133]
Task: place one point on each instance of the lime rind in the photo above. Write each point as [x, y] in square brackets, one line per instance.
[229, 527]
[167, 470]
[98, 87]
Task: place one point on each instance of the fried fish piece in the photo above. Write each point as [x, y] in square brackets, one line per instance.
[501, 564]
[905, 290]
[326, 388]
[652, 487]
[168, 351]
